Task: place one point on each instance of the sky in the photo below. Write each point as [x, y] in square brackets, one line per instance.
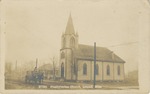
[34, 28]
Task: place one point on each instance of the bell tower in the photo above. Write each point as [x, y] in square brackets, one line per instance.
[69, 42]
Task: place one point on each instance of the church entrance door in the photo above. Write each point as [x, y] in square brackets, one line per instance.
[62, 70]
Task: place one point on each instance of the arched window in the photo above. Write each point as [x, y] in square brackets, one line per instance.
[74, 68]
[64, 42]
[108, 70]
[84, 69]
[72, 42]
[62, 70]
[118, 70]
[62, 55]
[97, 69]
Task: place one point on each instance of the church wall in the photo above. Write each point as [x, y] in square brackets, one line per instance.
[80, 70]
[105, 76]
[67, 63]
[116, 76]
[90, 70]
[102, 75]
[67, 43]
[99, 76]
[68, 58]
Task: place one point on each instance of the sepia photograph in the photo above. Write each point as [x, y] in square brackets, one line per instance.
[75, 45]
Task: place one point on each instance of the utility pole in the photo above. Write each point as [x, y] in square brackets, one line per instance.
[94, 64]
[53, 69]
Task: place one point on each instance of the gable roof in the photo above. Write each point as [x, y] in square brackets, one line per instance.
[102, 54]
[46, 67]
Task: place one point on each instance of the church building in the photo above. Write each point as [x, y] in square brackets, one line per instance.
[77, 60]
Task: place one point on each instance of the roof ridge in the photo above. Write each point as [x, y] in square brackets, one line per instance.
[86, 51]
[92, 46]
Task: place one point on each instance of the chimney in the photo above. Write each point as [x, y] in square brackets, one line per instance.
[113, 56]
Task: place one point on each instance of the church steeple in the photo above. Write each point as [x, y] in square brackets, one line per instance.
[69, 38]
[70, 27]
[69, 43]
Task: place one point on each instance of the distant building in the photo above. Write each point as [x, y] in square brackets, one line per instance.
[48, 71]
[77, 60]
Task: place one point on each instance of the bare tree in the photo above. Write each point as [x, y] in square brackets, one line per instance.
[54, 61]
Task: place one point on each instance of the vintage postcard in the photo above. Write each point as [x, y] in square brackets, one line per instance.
[75, 46]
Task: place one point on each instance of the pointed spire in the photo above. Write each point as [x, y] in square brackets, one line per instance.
[70, 27]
